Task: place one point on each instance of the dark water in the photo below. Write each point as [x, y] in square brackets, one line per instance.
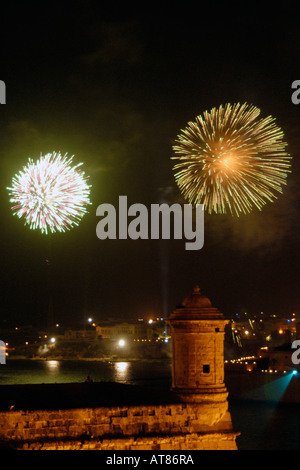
[31, 372]
[266, 426]
[263, 426]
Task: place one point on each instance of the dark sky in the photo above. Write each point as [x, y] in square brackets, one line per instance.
[114, 89]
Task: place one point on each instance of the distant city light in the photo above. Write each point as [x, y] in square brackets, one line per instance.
[90, 320]
[52, 340]
[121, 343]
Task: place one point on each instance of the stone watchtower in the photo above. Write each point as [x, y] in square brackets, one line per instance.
[197, 331]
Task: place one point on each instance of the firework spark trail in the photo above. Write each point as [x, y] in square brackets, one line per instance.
[229, 160]
[50, 194]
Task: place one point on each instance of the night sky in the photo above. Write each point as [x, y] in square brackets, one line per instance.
[115, 89]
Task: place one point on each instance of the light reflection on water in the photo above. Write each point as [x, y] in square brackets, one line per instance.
[122, 371]
[53, 367]
[32, 372]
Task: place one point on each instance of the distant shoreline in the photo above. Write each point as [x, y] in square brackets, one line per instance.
[89, 359]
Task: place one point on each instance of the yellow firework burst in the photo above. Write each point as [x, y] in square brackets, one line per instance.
[230, 160]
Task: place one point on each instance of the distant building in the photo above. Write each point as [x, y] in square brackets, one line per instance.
[131, 331]
[277, 359]
[80, 334]
[104, 331]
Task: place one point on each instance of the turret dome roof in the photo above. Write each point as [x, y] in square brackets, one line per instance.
[196, 300]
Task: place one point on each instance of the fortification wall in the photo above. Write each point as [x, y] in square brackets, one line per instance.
[175, 426]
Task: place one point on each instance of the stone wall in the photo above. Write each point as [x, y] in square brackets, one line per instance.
[175, 426]
[216, 441]
[195, 349]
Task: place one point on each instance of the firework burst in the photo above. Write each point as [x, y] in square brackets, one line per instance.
[50, 194]
[231, 161]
